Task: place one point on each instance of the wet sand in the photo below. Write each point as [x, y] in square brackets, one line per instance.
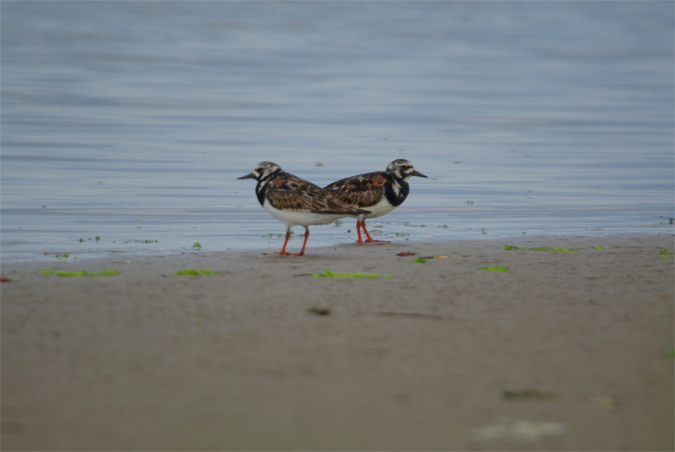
[569, 350]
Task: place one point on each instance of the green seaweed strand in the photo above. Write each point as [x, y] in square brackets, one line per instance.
[48, 271]
[331, 274]
[541, 248]
[495, 268]
[193, 272]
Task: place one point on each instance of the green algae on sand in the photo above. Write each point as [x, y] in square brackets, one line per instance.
[495, 268]
[48, 271]
[541, 248]
[331, 274]
[193, 272]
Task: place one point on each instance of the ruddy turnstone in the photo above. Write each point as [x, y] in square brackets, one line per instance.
[380, 192]
[295, 201]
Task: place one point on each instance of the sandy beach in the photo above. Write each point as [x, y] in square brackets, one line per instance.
[568, 350]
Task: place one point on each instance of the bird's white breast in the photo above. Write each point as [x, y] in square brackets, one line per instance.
[300, 217]
[381, 208]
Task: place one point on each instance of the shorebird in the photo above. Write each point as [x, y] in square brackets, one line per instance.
[380, 192]
[295, 201]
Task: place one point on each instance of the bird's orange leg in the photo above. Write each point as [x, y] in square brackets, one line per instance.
[283, 248]
[370, 239]
[302, 251]
[358, 230]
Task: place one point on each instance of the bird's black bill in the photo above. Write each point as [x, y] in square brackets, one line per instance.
[418, 174]
[248, 176]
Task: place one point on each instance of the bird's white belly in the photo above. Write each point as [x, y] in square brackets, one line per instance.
[299, 217]
[381, 208]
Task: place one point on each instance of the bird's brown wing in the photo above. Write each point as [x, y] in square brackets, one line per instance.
[292, 193]
[361, 191]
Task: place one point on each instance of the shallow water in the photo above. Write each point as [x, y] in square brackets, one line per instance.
[126, 124]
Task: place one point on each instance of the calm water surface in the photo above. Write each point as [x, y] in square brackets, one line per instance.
[126, 124]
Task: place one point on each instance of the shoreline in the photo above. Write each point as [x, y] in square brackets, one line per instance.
[218, 234]
[569, 350]
[117, 255]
